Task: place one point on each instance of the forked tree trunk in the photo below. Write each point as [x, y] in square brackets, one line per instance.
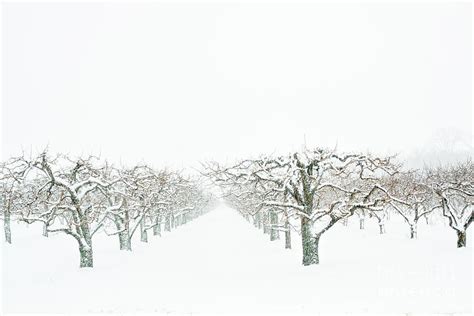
[462, 235]
[7, 227]
[310, 243]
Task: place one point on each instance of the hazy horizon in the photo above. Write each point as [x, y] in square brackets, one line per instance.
[174, 84]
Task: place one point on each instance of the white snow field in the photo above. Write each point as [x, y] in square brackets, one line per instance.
[221, 264]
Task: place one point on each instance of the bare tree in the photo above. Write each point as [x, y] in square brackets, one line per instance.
[10, 196]
[66, 191]
[454, 188]
[132, 201]
[411, 198]
[381, 217]
[322, 187]
[12, 193]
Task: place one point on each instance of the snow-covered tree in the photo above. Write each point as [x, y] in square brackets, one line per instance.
[411, 198]
[144, 198]
[322, 187]
[80, 197]
[454, 188]
[63, 198]
[11, 194]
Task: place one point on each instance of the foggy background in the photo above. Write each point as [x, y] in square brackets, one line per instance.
[173, 84]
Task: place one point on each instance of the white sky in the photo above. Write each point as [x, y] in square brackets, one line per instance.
[177, 83]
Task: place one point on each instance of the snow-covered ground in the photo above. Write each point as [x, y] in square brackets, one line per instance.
[219, 263]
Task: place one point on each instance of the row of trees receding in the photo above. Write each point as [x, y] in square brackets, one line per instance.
[81, 197]
[321, 187]
[307, 191]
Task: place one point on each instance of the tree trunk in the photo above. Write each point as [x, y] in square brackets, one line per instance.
[361, 223]
[287, 235]
[168, 223]
[382, 228]
[461, 238]
[157, 227]
[413, 231]
[86, 233]
[124, 240]
[259, 220]
[274, 233]
[123, 227]
[266, 228]
[6, 226]
[86, 248]
[45, 230]
[345, 221]
[310, 243]
[143, 232]
[86, 256]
